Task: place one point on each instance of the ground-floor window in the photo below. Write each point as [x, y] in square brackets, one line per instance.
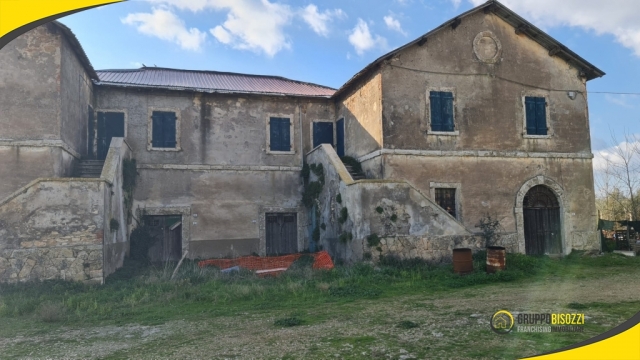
[281, 233]
[446, 198]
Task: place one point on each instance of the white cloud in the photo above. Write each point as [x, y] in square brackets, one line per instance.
[616, 17]
[394, 24]
[456, 3]
[164, 24]
[256, 25]
[621, 100]
[362, 40]
[318, 21]
[611, 155]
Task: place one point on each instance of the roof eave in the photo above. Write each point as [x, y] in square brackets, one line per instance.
[77, 48]
[208, 91]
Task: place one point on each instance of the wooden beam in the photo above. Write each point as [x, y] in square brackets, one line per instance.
[489, 8]
[455, 23]
[521, 29]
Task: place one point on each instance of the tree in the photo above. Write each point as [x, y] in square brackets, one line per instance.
[618, 183]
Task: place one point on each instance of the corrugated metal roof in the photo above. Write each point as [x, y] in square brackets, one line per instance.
[210, 81]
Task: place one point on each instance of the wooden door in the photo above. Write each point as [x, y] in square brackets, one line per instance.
[340, 137]
[110, 125]
[542, 229]
[281, 233]
[322, 133]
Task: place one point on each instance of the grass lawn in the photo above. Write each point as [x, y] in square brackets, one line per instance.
[396, 310]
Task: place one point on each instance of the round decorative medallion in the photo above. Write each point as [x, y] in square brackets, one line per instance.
[487, 47]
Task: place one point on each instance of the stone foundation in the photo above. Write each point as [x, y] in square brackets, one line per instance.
[79, 263]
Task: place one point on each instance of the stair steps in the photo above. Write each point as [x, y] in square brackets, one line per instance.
[355, 174]
[88, 168]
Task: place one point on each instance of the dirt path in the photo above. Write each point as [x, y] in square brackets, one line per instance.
[362, 329]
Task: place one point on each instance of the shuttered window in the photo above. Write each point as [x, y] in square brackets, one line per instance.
[441, 110]
[536, 113]
[279, 134]
[163, 129]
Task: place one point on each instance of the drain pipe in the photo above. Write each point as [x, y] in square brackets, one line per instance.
[301, 131]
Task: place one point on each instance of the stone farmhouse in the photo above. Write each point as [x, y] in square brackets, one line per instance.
[484, 115]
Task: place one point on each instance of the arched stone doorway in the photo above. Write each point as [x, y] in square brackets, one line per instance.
[542, 225]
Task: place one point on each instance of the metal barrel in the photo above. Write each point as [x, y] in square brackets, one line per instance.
[462, 261]
[496, 259]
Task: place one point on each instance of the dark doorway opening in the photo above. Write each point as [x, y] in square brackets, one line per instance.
[322, 133]
[542, 232]
[340, 137]
[110, 125]
[166, 230]
[281, 233]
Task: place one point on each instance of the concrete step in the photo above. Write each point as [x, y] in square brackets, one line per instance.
[88, 168]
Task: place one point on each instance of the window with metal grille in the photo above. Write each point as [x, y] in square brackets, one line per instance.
[279, 134]
[441, 106]
[446, 198]
[536, 113]
[163, 133]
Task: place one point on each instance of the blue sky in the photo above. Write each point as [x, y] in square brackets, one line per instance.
[328, 42]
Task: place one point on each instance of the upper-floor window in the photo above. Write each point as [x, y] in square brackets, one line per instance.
[536, 115]
[441, 109]
[280, 139]
[163, 129]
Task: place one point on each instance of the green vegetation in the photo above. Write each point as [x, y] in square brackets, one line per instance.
[373, 240]
[355, 164]
[379, 210]
[344, 215]
[114, 225]
[394, 217]
[345, 237]
[129, 179]
[339, 199]
[360, 298]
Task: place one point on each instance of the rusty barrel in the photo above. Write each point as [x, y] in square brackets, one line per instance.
[462, 261]
[496, 259]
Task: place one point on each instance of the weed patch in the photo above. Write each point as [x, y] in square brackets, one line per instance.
[288, 322]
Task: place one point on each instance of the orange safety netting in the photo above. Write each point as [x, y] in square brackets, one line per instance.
[322, 260]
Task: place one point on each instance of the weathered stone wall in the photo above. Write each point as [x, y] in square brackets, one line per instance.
[53, 230]
[490, 186]
[488, 96]
[75, 98]
[222, 180]
[361, 109]
[116, 241]
[29, 86]
[385, 208]
[20, 164]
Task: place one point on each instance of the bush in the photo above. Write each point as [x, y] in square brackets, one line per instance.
[51, 312]
[344, 215]
[373, 240]
[407, 324]
[339, 199]
[288, 322]
[141, 242]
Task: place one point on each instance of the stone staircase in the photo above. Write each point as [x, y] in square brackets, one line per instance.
[356, 174]
[86, 168]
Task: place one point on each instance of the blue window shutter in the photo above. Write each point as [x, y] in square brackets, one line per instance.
[541, 116]
[156, 131]
[530, 113]
[285, 130]
[436, 111]
[169, 130]
[447, 111]
[279, 134]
